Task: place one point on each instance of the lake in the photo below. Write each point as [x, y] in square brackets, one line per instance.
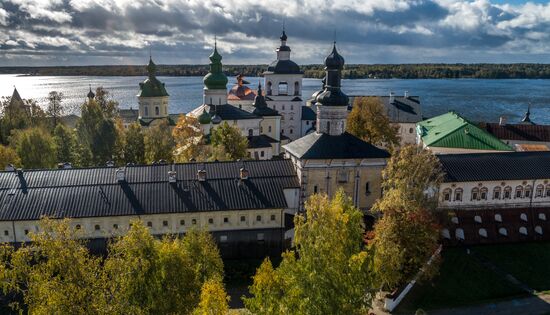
[476, 99]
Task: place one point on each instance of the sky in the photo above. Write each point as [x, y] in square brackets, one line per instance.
[103, 32]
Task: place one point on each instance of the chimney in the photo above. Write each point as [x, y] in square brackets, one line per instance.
[502, 121]
[243, 173]
[406, 94]
[172, 177]
[10, 168]
[120, 175]
[201, 175]
[110, 164]
[392, 97]
[67, 165]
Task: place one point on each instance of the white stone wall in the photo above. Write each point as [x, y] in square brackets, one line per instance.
[331, 119]
[214, 97]
[271, 127]
[406, 132]
[148, 107]
[261, 153]
[290, 111]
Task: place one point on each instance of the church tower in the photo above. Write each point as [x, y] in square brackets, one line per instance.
[215, 82]
[283, 90]
[152, 97]
[332, 103]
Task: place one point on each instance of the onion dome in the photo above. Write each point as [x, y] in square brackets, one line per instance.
[260, 105]
[240, 91]
[283, 36]
[215, 79]
[152, 87]
[204, 118]
[91, 94]
[334, 60]
[216, 119]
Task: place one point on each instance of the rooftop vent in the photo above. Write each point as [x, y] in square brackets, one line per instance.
[502, 121]
[10, 168]
[120, 174]
[392, 97]
[172, 177]
[406, 95]
[64, 165]
[243, 173]
[110, 164]
[201, 175]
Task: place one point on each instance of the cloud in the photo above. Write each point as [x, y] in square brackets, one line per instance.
[182, 31]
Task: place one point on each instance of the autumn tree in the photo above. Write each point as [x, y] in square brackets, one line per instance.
[23, 115]
[228, 143]
[35, 147]
[54, 273]
[134, 148]
[159, 143]
[65, 144]
[328, 273]
[189, 140]
[108, 106]
[97, 134]
[407, 234]
[213, 299]
[368, 120]
[55, 107]
[8, 156]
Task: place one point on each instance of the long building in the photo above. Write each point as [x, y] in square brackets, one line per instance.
[496, 197]
[244, 204]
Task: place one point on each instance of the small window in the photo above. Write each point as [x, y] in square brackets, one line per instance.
[283, 107]
[445, 233]
[97, 227]
[262, 154]
[523, 230]
[475, 193]
[26, 232]
[261, 129]
[538, 229]
[273, 217]
[542, 216]
[223, 238]
[523, 217]
[315, 189]
[150, 224]
[483, 193]
[210, 221]
[496, 193]
[342, 176]
[503, 232]
[115, 226]
[459, 234]
[291, 107]
[260, 236]
[269, 89]
[483, 232]
[268, 128]
[291, 131]
[157, 110]
[519, 191]
[458, 194]
[78, 227]
[547, 190]
[146, 111]
[367, 188]
[411, 130]
[6, 232]
[164, 223]
[447, 195]
[259, 218]
[225, 220]
[194, 221]
[539, 192]
[243, 218]
[307, 122]
[182, 222]
[296, 88]
[250, 132]
[477, 218]
[498, 217]
[454, 220]
[508, 192]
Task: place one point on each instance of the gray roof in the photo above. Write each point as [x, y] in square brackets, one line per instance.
[95, 192]
[225, 111]
[495, 166]
[401, 110]
[283, 67]
[323, 146]
[308, 113]
[261, 141]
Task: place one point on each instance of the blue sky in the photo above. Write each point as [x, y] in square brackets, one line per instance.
[80, 32]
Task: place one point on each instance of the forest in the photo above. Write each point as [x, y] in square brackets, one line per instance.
[352, 71]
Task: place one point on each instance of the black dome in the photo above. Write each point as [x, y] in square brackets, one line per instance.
[284, 67]
[334, 60]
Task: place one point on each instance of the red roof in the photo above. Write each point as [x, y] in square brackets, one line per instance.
[519, 132]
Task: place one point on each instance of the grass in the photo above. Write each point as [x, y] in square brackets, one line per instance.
[461, 281]
[527, 262]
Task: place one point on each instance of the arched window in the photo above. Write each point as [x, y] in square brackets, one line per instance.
[507, 192]
[498, 217]
[459, 234]
[519, 192]
[250, 132]
[477, 218]
[523, 217]
[458, 194]
[496, 193]
[269, 88]
[523, 230]
[411, 130]
[261, 129]
[542, 216]
[296, 88]
[540, 191]
[483, 193]
[447, 194]
[283, 88]
[475, 193]
[157, 110]
[445, 234]
[367, 188]
[291, 131]
[146, 111]
[503, 231]
[482, 232]
[528, 190]
[538, 229]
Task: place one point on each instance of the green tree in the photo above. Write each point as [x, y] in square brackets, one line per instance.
[368, 121]
[8, 156]
[213, 300]
[97, 133]
[65, 143]
[55, 273]
[407, 234]
[18, 116]
[134, 151]
[228, 143]
[55, 107]
[329, 272]
[35, 147]
[109, 107]
[159, 143]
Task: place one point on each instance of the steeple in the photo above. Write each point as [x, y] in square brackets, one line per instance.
[526, 120]
[215, 79]
[16, 100]
[91, 94]
[152, 87]
[283, 52]
[151, 68]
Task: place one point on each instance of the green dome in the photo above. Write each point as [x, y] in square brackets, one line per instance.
[204, 118]
[215, 79]
[152, 87]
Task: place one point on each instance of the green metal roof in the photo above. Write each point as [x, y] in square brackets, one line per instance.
[451, 130]
[152, 87]
[215, 79]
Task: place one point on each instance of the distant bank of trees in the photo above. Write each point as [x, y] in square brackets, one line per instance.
[352, 71]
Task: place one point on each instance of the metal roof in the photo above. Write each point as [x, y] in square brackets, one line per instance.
[496, 166]
[95, 192]
[308, 113]
[519, 132]
[225, 111]
[323, 146]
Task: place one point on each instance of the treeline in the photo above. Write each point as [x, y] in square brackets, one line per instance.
[352, 71]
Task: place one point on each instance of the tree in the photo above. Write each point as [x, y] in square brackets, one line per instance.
[97, 133]
[213, 300]
[55, 273]
[407, 234]
[35, 147]
[19, 116]
[329, 271]
[159, 143]
[109, 107]
[134, 150]
[65, 143]
[120, 142]
[228, 143]
[55, 107]
[368, 121]
[8, 156]
[189, 140]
